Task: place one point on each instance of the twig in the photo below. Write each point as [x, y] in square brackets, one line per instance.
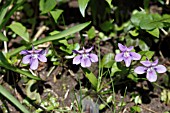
[51, 70]
[32, 72]
[5, 43]
[148, 109]
[66, 94]
[40, 31]
[167, 2]
[161, 55]
[165, 32]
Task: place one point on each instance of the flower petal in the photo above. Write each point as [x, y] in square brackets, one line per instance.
[34, 63]
[75, 51]
[30, 51]
[93, 57]
[160, 68]
[24, 52]
[42, 58]
[78, 51]
[26, 59]
[146, 63]
[89, 49]
[40, 51]
[119, 57]
[151, 76]
[140, 70]
[122, 47]
[127, 61]
[155, 62]
[129, 48]
[85, 62]
[135, 56]
[77, 59]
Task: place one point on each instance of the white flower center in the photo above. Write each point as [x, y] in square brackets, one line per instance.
[84, 55]
[150, 69]
[35, 55]
[126, 54]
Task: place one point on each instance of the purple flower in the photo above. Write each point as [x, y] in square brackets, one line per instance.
[33, 56]
[126, 55]
[84, 57]
[150, 68]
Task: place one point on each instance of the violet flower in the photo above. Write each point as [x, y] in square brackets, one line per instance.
[84, 57]
[150, 68]
[33, 57]
[126, 55]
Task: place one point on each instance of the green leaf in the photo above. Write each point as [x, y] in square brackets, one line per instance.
[147, 23]
[56, 14]
[134, 33]
[102, 106]
[166, 18]
[133, 77]
[164, 95]
[82, 6]
[137, 17]
[2, 37]
[154, 32]
[131, 42]
[68, 48]
[92, 78]
[64, 42]
[114, 69]
[58, 36]
[143, 46]
[4, 10]
[47, 5]
[150, 22]
[4, 63]
[109, 2]
[33, 95]
[146, 54]
[135, 109]
[107, 60]
[20, 30]
[109, 99]
[91, 33]
[138, 100]
[11, 98]
[107, 25]
[76, 46]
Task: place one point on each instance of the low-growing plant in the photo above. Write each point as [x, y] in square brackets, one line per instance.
[116, 58]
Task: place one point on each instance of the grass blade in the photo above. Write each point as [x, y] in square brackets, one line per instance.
[11, 98]
[51, 38]
[4, 10]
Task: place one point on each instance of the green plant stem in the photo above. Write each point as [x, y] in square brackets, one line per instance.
[113, 93]
[104, 102]
[100, 70]
[122, 100]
